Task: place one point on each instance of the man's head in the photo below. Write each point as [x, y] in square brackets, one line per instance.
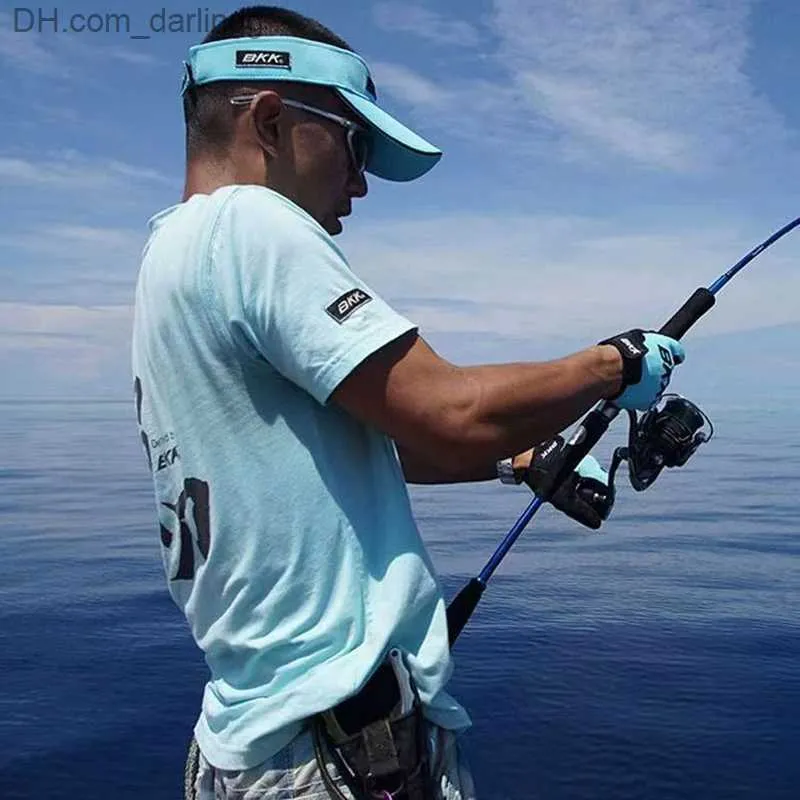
[296, 114]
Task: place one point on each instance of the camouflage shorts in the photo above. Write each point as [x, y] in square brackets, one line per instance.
[293, 773]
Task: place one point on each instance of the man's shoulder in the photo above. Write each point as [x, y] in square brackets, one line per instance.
[258, 221]
[261, 204]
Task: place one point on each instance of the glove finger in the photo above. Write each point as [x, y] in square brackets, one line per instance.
[582, 513]
[675, 347]
[678, 352]
[589, 467]
[567, 500]
[585, 514]
[590, 492]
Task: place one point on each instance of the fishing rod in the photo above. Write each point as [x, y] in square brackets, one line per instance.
[676, 426]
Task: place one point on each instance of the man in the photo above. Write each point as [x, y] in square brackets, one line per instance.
[283, 406]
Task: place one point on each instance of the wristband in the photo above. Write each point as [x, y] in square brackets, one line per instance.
[631, 346]
[507, 473]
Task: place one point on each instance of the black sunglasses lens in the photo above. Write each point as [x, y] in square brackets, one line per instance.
[359, 148]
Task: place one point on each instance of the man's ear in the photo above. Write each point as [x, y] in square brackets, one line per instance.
[266, 108]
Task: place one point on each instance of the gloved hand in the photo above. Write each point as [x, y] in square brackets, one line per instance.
[648, 359]
[584, 496]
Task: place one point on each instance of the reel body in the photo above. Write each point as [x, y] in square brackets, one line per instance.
[667, 435]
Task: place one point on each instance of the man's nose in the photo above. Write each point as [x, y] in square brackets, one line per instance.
[357, 184]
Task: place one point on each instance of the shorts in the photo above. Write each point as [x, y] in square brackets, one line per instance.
[293, 773]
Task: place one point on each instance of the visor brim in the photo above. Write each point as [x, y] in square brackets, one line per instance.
[396, 152]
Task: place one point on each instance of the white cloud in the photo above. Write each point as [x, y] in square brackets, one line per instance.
[466, 280]
[661, 82]
[71, 170]
[658, 83]
[57, 256]
[28, 52]
[129, 56]
[85, 243]
[510, 276]
[584, 110]
[529, 276]
[427, 24]
[61, 55]
[100, 325]
[72, 263]
[47, 349]
[409, 86]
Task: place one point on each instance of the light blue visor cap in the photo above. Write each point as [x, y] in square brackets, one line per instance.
[396, 153]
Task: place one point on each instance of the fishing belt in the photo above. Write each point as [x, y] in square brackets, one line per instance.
[377, 739]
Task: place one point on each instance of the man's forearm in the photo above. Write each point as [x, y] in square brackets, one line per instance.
[417, 469]
[463, 419]
[508, 407]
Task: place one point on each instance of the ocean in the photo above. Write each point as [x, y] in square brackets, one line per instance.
[658, 658]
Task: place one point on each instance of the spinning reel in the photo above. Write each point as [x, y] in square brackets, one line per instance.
[666, 436]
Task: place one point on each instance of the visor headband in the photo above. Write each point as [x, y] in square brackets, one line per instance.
[277, 58]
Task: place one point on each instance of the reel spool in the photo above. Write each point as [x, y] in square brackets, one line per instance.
[667, 435]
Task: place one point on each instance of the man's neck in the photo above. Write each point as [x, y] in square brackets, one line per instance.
[205, 177]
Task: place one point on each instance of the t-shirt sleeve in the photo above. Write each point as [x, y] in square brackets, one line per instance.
[281, 286]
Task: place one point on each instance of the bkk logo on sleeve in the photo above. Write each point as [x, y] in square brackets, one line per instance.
[341, 308]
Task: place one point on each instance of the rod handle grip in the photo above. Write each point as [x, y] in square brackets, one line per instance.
[461, 607]
[686, 316]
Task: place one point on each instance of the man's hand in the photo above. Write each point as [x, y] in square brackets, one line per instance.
[584, 495]
[648, 359]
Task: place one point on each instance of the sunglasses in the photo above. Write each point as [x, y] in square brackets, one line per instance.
[357, 136]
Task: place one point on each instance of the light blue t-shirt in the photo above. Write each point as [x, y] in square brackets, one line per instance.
[286, 528]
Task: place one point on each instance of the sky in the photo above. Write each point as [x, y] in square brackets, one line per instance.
[602, 159]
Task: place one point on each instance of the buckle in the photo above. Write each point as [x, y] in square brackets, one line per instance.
[379, 785]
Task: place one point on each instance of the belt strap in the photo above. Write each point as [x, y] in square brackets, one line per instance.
[376, 700]
[378, 737]
[380, 749]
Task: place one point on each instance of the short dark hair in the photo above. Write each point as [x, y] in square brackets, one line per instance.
[206, 109]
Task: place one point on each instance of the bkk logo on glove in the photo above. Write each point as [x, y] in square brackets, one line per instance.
[341, 308]
[668, 363]
[632, 348]
[548, 451]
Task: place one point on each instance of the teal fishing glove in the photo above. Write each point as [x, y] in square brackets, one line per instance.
[584, 496]
[648, 359]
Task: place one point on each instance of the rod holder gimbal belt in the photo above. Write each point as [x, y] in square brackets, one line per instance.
[377, 741]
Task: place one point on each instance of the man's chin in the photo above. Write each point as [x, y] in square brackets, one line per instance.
[333, 226]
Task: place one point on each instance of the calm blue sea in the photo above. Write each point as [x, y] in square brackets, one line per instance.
[658, 659]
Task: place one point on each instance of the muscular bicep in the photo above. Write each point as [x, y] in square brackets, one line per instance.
[410, 393]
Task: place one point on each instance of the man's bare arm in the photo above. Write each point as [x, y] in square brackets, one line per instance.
[459, 420]
[418, 470]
